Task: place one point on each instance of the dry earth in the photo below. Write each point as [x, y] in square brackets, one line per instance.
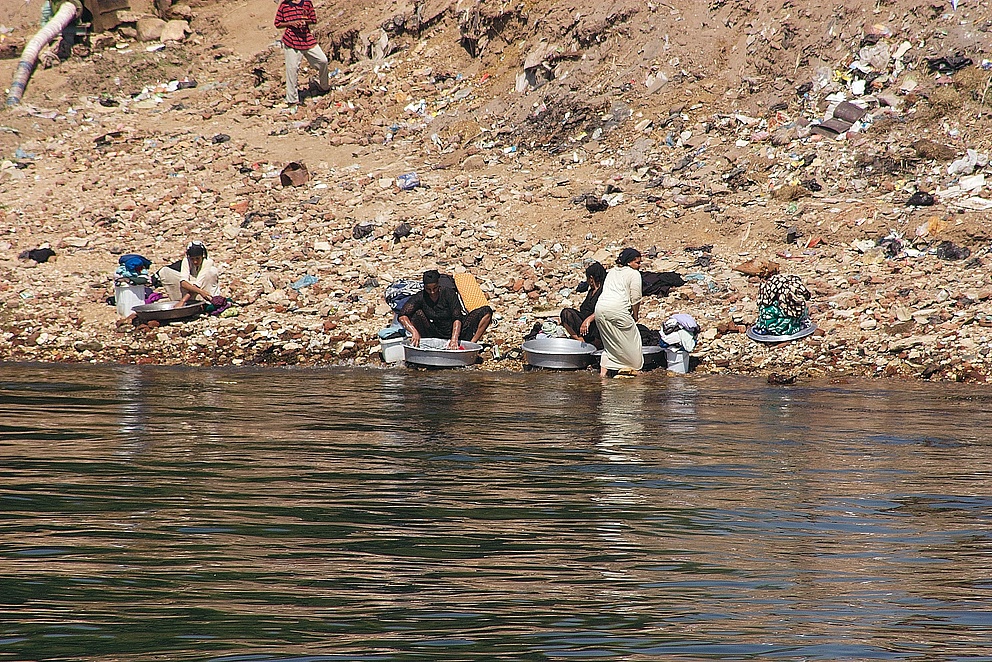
[695, 122]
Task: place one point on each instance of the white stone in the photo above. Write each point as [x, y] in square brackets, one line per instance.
[150, 28]
[175, 31]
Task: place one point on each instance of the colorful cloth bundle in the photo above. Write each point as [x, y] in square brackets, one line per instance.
[782, 306]
[772, 321]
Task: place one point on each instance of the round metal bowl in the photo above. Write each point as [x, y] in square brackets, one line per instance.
[166, 311]
[654, 356]
[433, 353]
[558, 353]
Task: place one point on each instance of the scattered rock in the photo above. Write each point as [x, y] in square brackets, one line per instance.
[139, 166]
[150, 28]
[175, 30]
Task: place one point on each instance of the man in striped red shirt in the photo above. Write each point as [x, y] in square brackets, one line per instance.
[295, 17]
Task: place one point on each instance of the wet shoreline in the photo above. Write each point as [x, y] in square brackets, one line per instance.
[811, 359]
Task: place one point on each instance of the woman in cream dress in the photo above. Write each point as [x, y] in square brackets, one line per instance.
[616, 315]
[197, 276]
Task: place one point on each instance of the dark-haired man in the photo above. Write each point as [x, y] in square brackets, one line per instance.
[436, 312]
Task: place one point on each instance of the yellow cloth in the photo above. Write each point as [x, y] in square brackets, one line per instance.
[470, 292]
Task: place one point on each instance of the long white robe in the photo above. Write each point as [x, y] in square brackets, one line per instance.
[621, 339]
[207, 278]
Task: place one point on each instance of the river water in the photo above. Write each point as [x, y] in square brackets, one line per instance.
[179, 514]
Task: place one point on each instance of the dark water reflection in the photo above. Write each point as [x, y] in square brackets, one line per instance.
[343, 515]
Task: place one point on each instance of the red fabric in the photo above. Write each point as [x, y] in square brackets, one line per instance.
[301, 39]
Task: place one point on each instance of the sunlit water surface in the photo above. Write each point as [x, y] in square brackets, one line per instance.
[173, 514]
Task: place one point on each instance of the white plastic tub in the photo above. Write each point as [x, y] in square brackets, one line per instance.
[677, 360]
[392, 349]
[127, 297]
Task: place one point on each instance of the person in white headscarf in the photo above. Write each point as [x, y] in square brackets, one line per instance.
[196, 277]
[616, 316]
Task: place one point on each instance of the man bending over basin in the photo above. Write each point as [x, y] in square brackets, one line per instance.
[436, 312]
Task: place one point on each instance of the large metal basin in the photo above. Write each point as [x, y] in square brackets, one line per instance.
[558, 353]
[433, 353]
[166, 311]
[654, 356]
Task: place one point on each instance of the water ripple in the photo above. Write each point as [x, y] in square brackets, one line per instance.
[150, 513]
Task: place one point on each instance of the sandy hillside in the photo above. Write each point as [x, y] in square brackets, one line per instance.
[699, 128]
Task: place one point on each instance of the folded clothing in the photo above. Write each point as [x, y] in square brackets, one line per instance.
[680, 330]
[134, 263]
[391, 332]
[217, 305]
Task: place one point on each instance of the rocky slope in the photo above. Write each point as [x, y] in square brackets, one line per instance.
[710, 134]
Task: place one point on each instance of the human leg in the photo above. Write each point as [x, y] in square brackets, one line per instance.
[572, 320]
[293, 58]
[475, 324]
[208, 281]
[315, 56]
[171, 281]
[192, 290]
[424, 326]
[621, 341]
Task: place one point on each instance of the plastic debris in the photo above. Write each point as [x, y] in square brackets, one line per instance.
[920, 199]
[305, 281]
[967, 163]
[407, 182]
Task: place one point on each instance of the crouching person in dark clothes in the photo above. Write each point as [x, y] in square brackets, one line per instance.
[436, 312]
[581, 323]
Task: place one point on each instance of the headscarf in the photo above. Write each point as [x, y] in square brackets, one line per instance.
[431, 276]
[196, 248]
[627, 256]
